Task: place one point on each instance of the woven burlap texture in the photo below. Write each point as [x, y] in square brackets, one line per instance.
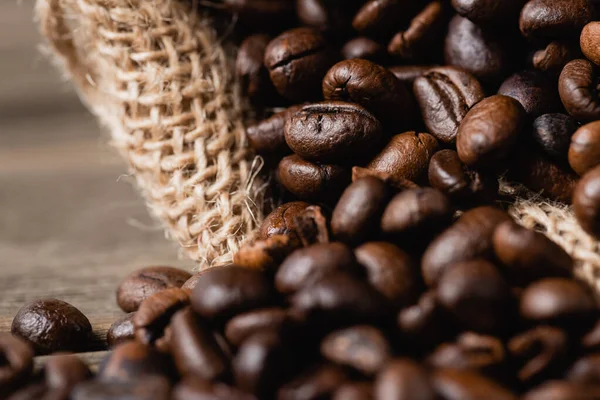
[158, 77]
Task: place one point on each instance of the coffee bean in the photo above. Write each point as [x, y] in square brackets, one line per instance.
[586, 202]
[552, 58]
[62, 372]
[223, 292]
[267, 137]
[578, 89]
[155, 313]
[591, 340]
[194, 348]
[16, 363]
[332, 17]
[470, 237]
[332, 131]
[489, 131]
[553, 132]
[404, 379]
[406, 156]
[398, 184]
[132, 361]
[193, 388]
[307, 180]
[354, 391]
[536, 91]
[306, 266]
[317, 383]
[51, 325]
[190, 284]
[265, 255]
[563, 390]
[372, 86]
[528, 255]
[485, 12]
[553, 19]
[476, 295]
[144, 282]
[454, 384]
[313, 226]
[379, 18]
[365, 48]
[590, 36]
[121, 330]
[424, 324]
[297, 60]
[584, 151]
[391, 271]
[558, 301]
[586, 370]
[143, 388]
[281, 220]
[445, 94]
[249, 67]
[362, 347]
[356, 215]
[242, 326]
[408, 73]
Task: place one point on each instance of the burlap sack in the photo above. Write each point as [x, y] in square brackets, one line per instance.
[157, 76]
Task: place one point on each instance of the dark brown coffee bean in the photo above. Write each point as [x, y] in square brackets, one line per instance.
[281, 220]
[586, 370]
[489, 131]
[558, 301]
[267, 254]
[445, 94]
[404, 379]
[365, 48]
[155, 313]
[406, 156]
[536, 91]
[476, 295]
[306, 266]
[317, 383]
[528, 255]
[554, 18]
[224, 292]
[362, 347]
[313, 226]
[249, 67]
[379, 18]
[541, 353]
[242, 326]
[398, 184]
[408, 73]
[590, 36]
[193, 388]
[563, 390]
[424, 324]
[454, 384]
[485, 12]
[354, 391]
[144, 282]
[553, 132]
[132, 361]
[578, 89]
[591, 340]
[62, 372]
[190, 284]
[16, 363]
[267, 137]
[586, 202]
[391, 271]
[297, 60]
[121, 330]
[470, 237]
[307, 180]
[51, 325]
[584, 151]
[145, 388]
[332, 131]
[332, 17]
[356, 215]
[552, 58]
[370, 85]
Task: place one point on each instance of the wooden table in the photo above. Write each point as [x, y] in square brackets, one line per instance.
[72, 224]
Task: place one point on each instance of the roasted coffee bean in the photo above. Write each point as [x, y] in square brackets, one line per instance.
[190, 284]
[454, 384]
[586, 370]
[281, 220]
[297, 60]
[155, 313]
[194, 348]
[470, 237]
[306, 266]
[563, 390]
[553, 132]
[591, 340]
[143, 388]
[323, 15]
[584, 151]
[578, 89]
[317, 383]
[404, 379]
[250, 69]
[406, 156]
[365, 48]
[267, 137]
[224, 292]
[62, 372]
[485, 12]
[528, 255]
[262, 362]
[144, 282]
[307, 180]
[372, 86]
[590, 37]
[121, 330]
[398, 184]
[407, 74]
[541, 353]
[332, 131]
[391, 271]
[552, 58]
[51, 325]
[558, 301]
[362, 347]
[356, 215]
[242, 326]
[424, 324]
[490, 130]
[379, 18]
[464, 186]
[536, 91]
[586, 202]
[445, 95]
[267, 254]
[134, 360]
[543, 19]
[354, 391]
[313, 226]
[476, 295]
[192, 388]
[16, 363]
